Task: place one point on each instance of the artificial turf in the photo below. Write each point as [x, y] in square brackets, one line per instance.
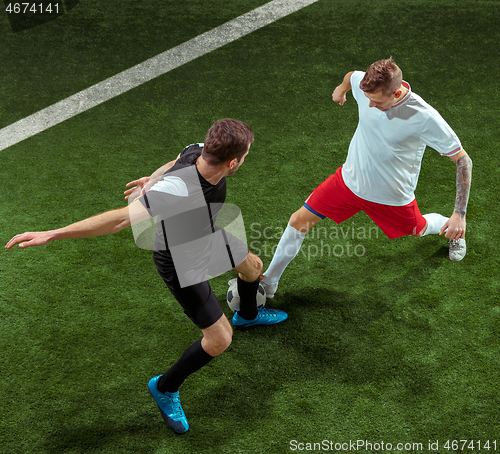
[387, 340]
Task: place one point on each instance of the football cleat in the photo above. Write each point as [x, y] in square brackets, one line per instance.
[264, 317]
[170, 407]
[458, 249]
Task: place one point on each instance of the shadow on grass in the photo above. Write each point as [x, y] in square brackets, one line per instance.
[377, 336]
[368, 337]
[98, 436]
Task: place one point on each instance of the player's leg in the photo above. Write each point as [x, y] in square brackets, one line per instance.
[217, 338]
[227, 249]
[289, 246]
[396, 221]
[165, 388]
[434, 224]
[248, 280]
[332, 199]
[249, 271]
[202, 307]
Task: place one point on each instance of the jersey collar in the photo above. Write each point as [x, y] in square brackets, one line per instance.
[406, 97]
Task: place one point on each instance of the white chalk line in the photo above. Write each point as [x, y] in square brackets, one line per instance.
[149, 69]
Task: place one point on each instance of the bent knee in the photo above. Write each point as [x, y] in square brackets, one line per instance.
[421, 233]
[296, 221]
[228, 338]
[224, 341]
[218, 344]
[251, 267]
[302, 220]
[256, 263]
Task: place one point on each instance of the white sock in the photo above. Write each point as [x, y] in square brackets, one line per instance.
[287, 249]
[434, 223]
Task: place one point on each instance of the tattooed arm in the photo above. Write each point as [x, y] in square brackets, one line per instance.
[456, 223]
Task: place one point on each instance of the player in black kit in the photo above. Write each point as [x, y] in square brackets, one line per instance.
[184, 197]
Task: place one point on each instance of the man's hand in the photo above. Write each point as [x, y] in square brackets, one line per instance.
[455, 226]
[105, 223]
[138, 190]
[29, 239]
[144, 184]
[339, 96]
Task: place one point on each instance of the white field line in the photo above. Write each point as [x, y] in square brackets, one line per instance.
[149, 69]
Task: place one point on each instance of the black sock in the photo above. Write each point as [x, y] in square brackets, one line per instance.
[248, 298]
[193, 359]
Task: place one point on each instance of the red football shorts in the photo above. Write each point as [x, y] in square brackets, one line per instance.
[333, 199]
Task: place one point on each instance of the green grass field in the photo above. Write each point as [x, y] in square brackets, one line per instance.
[387, 341]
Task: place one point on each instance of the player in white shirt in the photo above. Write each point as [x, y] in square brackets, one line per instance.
[382, 167]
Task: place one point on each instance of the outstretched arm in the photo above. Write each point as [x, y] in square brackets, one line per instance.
[456, 224]
[102, 224]
[339, 94]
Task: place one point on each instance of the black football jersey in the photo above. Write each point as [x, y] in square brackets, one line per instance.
[184, 204]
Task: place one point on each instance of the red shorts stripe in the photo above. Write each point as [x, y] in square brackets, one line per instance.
[335, 200]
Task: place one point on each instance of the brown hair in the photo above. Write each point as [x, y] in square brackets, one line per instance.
[225, 140]
[382, 75]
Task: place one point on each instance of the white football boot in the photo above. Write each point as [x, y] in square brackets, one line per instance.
[458, 249]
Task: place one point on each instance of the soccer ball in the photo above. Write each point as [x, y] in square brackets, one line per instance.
[233, 298]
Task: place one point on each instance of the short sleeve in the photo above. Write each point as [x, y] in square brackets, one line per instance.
[437, 134]
[356, 78]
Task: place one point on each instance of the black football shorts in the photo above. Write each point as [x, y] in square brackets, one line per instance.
[198, 301]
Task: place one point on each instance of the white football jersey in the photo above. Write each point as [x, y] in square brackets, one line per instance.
[386, 151]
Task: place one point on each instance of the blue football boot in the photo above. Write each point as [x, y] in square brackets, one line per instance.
[264, 317]
[170, 407]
